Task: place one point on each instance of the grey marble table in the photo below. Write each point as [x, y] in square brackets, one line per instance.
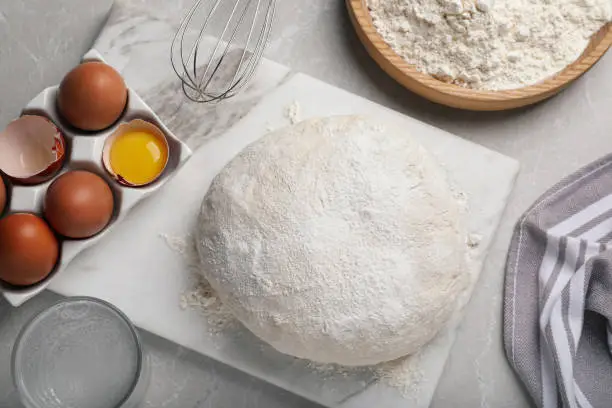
[550, 140]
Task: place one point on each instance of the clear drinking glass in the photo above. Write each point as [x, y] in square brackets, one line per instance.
[81, 352]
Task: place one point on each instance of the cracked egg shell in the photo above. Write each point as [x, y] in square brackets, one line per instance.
[157, 147]
[32, 150]
[2, 195]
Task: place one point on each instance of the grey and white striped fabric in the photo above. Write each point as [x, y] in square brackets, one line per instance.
[558, 296]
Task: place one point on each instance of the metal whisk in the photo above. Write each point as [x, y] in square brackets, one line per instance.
[219, 45]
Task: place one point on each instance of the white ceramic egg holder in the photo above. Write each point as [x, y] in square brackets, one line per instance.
[84, 152]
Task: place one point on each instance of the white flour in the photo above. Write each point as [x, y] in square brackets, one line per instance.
[404, 375]
[200, 296]
[490, 44]
[294, 112]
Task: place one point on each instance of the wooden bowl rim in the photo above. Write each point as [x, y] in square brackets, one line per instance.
[360, 14]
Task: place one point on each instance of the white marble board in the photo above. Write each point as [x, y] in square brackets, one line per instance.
[135, 269]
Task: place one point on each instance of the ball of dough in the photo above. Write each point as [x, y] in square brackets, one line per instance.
[335, 241]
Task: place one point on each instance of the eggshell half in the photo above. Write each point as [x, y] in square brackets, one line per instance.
[133, 126]
[32, 150]
[2, 195]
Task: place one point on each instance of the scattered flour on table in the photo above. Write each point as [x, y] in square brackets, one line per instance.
[200, 296]
[473, 240]
[293, 112]
[331, 371]
[462, 199]
[490, 44]
[404, 375]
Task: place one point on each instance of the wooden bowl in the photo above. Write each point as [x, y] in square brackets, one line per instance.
[465, 98]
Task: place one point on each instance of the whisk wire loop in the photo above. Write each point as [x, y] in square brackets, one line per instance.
[230, 55]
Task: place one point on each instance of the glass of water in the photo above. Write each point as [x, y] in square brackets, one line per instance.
[80, 352]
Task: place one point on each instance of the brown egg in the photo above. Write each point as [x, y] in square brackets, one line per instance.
[92, 96]
[79, 204]
[28, 249]
[2, 195]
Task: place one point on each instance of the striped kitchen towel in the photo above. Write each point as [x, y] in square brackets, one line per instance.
[558, 295]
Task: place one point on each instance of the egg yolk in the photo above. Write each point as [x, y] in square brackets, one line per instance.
[138, 157]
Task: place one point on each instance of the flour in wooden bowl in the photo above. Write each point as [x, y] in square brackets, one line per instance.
[489, 44]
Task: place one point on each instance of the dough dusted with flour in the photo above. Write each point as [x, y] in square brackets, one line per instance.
[335, 241]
